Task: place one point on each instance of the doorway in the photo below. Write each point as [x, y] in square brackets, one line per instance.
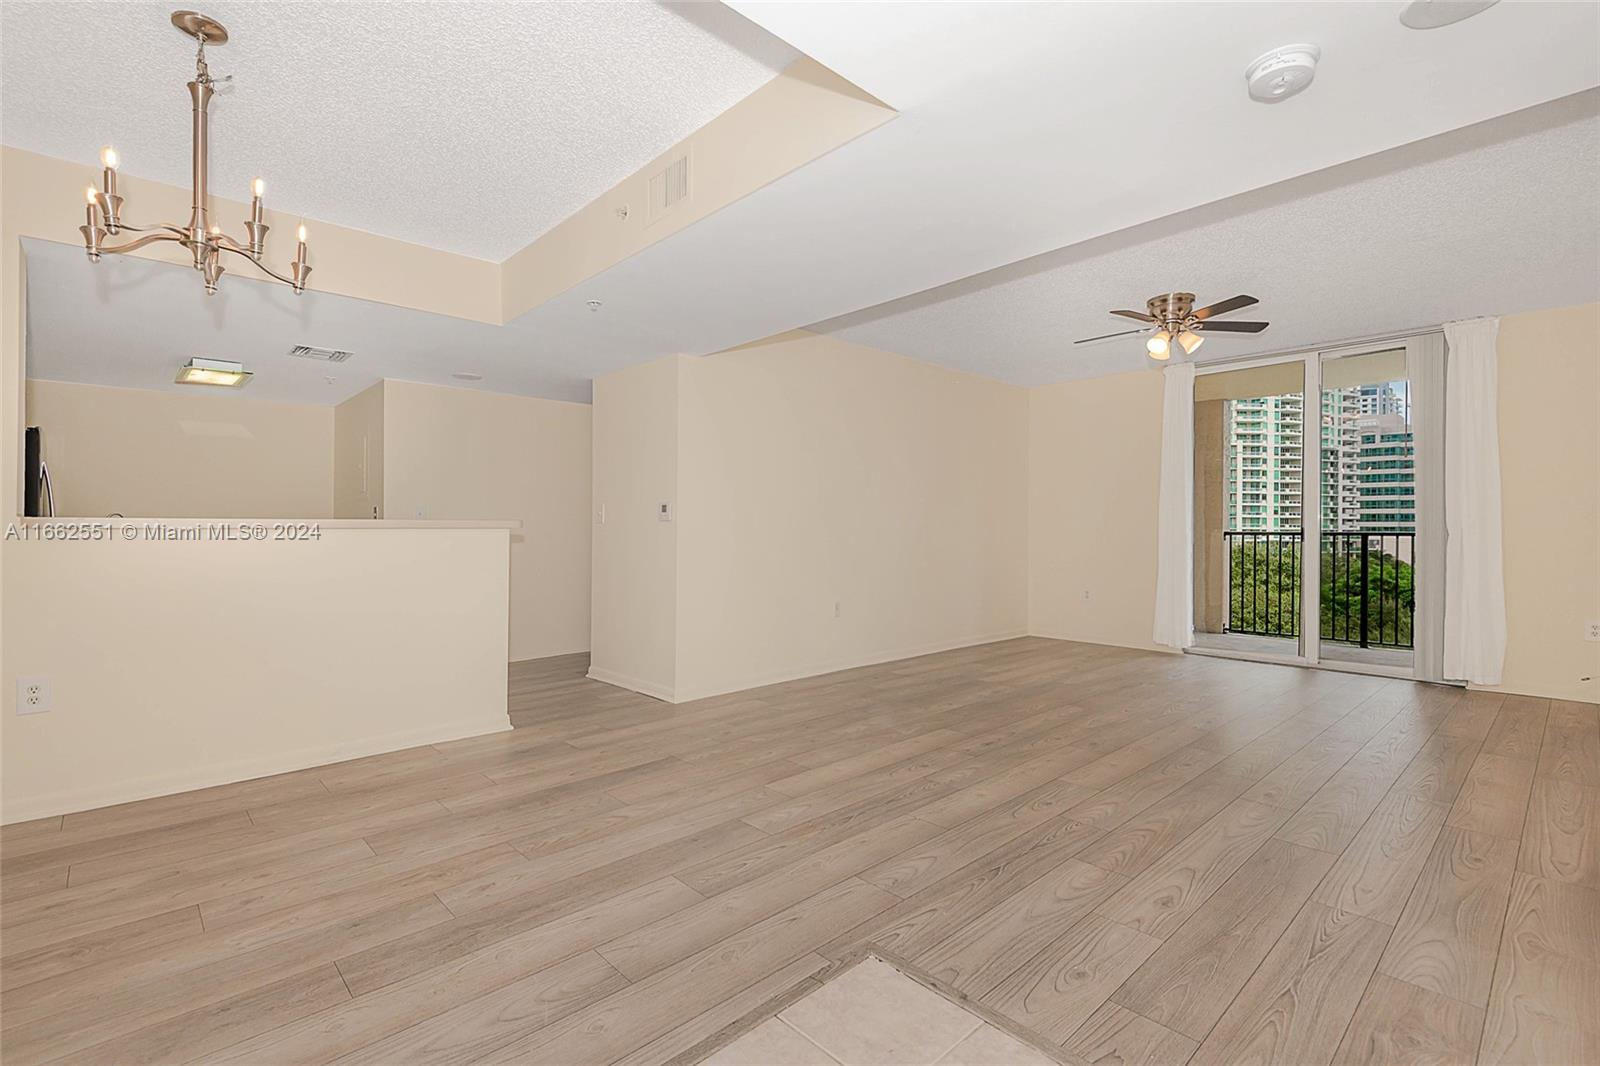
[1318, 536]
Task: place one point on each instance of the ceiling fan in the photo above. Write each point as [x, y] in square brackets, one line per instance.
[1173, 316]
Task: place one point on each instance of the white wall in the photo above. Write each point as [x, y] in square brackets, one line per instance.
[815, 474]
[635, 575]
[179, 665]
[199, 454]
[468, 454]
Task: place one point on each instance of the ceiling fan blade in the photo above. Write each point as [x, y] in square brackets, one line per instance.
[1108, 336]
[1231, 327]
[1222, 307]
[1138, 315]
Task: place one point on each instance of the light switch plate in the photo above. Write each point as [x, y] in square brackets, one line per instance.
[664, 512]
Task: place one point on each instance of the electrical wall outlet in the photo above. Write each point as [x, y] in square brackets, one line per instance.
[33, 695]
[1592, 632]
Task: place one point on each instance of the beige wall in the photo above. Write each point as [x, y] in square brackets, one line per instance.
[1550, 495]
[635, 575]
[358, 455]
[834, 505]
[841, 505]
[1093, 522]
[463, 453]
[197, 663]
[1094, 463]
[179, 665]
[182, 455]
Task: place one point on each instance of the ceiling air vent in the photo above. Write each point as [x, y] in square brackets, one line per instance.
[669, 187]
[325, 355]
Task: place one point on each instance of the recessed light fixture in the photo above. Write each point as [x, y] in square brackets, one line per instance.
[593, 305]
[467, 375]
[1431, 14]
[213, 372]
[1282, 72]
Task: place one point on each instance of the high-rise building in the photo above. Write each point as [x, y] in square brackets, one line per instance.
[1263, 473]
[1368, 477]
[1386, 474]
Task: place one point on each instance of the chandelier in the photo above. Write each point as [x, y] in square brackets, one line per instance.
[204, 239]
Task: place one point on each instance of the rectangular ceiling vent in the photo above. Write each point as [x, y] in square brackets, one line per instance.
[326, 355]
[669, 187]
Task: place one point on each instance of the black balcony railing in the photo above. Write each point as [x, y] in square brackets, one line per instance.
[1368, 595]
[1263, 583]
[1367, 590]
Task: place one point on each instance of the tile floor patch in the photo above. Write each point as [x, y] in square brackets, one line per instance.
[874, 1015]
[772, 1043]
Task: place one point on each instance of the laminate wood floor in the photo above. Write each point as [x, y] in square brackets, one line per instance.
[1134, 857]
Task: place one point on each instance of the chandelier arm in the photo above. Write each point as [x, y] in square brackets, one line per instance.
[244, 253]
[229, 244]
[159, 226]
[150, 238]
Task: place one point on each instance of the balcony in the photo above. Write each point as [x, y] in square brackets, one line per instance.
[1367, 593]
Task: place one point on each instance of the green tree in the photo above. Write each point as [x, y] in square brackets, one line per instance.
[1265, 590]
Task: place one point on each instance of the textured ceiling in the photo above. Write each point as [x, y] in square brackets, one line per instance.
[468, 127]
[1493, 219]
[1022, 130]
[1496, 218]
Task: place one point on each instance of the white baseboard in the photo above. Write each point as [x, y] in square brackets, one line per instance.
[871, 659]
[107, 794]
[633, 684]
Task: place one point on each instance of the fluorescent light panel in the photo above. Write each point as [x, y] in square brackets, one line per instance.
[213, 372]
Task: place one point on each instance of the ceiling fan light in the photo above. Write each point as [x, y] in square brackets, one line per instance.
[1190, 341]
[1157, 345]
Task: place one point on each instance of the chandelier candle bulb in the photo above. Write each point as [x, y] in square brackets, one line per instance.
[91, 228]
[298, 269]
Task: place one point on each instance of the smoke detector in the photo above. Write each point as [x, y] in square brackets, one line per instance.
[1282, 72]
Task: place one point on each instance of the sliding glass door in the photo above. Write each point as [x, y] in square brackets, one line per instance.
[1317, 534]
[1368, 510]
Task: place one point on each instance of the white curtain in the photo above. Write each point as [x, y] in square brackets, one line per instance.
[1474, 584]
[1174, 624]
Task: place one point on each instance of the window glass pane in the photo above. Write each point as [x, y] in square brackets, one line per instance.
[1249, 426]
